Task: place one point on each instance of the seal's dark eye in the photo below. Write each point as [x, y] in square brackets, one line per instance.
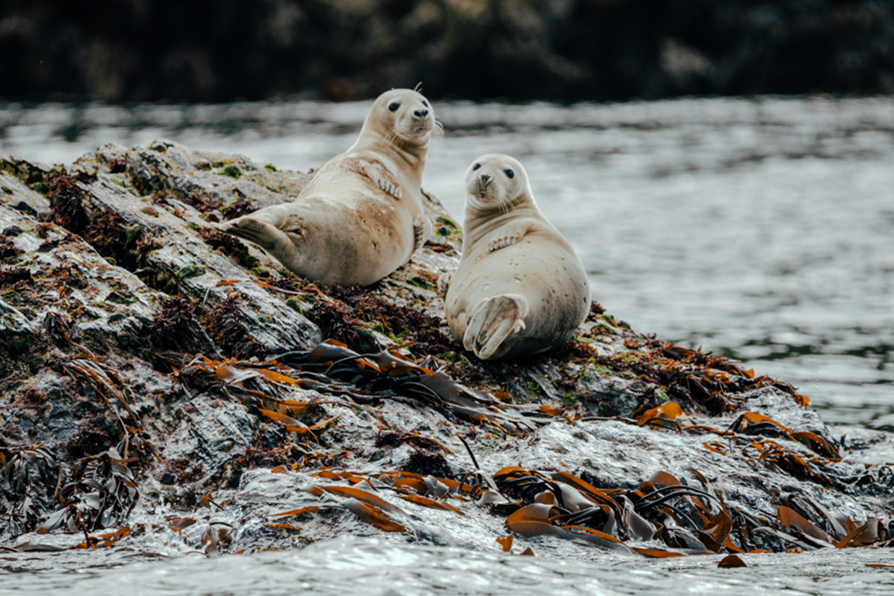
[476, 166]
[510, 173]
[425, 103]
[393, 107]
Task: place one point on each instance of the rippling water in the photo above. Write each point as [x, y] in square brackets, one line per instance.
[352, 565]
[758, 229]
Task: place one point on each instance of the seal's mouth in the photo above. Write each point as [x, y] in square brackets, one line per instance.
[416, 129]
[424, 124]
[484, 188]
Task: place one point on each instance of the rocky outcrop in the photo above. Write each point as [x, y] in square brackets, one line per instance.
[165, 388]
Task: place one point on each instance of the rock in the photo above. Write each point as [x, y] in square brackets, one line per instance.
[162, 384]
[20, 197]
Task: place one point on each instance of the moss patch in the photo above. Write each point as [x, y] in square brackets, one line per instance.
[191, 271]
[231, 171]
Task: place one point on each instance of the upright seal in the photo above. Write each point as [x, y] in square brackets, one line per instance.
[519, 288]
[361, 217]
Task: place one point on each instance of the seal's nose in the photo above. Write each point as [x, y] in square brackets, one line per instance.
[420, 113]
[485, 178]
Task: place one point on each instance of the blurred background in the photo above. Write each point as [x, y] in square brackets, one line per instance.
[557, 50]
[725, 169]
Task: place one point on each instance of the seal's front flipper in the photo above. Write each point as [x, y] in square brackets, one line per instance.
[492, 323]
[379, 174]
[250, 228]
[508, 235]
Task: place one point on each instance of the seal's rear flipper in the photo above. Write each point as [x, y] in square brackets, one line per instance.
[444, 284]
[492, 322]
[269, 237]
[421, 231]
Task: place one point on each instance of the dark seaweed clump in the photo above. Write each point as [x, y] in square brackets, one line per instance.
[339, 321]
[229, 245]
[427, 463]
[10, 276]
[111, 237]
[89, 441]
[595, 310]
[225, 326]
[406, 323]
[295, 283]
[208, 207]
[28, 478]
[700, 381]
[65, 201]
[238, 209]
[106, 231]
[175, 327]
[9, 252]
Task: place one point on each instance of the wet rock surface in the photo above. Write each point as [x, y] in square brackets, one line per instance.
[165, 388]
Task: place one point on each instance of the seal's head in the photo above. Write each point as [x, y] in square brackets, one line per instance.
[495, 182]
[403, 115]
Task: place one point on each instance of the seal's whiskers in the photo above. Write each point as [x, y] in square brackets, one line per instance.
[392, 136]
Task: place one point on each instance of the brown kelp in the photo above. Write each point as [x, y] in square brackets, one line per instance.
[689, 519]
[363, 378]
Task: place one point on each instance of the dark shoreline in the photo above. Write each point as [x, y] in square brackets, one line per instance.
[81, 102]
[571, 51]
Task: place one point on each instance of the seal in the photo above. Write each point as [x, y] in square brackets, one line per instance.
[519, 288]
[361, 216]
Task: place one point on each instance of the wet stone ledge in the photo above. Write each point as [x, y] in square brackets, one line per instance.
[165, 388]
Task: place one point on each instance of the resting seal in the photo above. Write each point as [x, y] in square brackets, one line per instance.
[519, 288]
[361, 217]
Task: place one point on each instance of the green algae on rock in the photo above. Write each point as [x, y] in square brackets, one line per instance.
[143, 403]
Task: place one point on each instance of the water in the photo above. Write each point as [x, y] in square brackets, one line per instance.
[350, 565]
[757, 229]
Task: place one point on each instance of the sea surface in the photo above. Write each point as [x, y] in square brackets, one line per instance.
[761, 229]
[361, 566]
